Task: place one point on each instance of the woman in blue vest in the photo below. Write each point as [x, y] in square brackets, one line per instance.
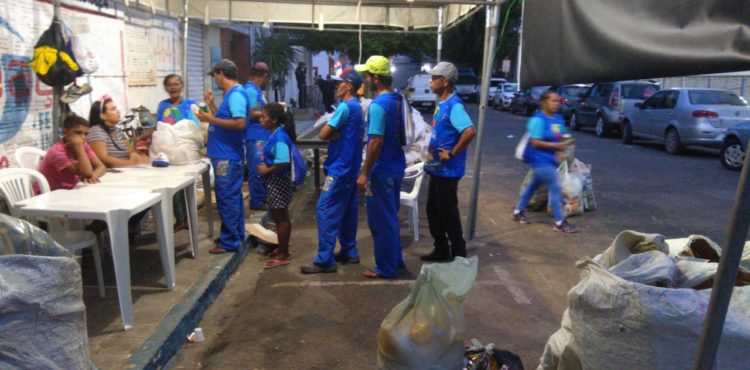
[175, 108]
[546, 137]
[276, 172]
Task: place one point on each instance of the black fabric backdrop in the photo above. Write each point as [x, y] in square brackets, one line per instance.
[579, 41]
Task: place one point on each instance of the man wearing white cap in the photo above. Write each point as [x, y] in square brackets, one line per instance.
[446, 164]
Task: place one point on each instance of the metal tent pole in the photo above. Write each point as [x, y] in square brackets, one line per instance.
[440, 35]
[490, 38]
[726, 275]
[185, 78]
[56, 90]
[520, 45]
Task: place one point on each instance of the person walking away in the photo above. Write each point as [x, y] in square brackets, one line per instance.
[275, 169]
[383, 170]
[301, 75]
[255, 134]
[546, 136]
[170, 111]
[452, 133]
[338, 205]
[225, 149]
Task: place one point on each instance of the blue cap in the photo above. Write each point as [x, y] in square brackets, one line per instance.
[351, 76]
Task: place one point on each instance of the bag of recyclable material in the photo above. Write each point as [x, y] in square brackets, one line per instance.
[583, 171]
[42, 315]
[638, 307]
[426, 330]
[480, 357]
[181, 142]
[571, 190]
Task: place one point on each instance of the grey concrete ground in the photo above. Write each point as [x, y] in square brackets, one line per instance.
[279, 319]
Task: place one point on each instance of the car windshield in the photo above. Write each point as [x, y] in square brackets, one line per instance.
[573, 90]
[495, 83]
[467, 80]
[638, 91]
[539, 90]
[715, 97]
[509, 88]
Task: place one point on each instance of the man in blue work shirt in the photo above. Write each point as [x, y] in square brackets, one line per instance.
[383, 171]
[255, 135]
[225, 149]
[338, 203]
[452, 132]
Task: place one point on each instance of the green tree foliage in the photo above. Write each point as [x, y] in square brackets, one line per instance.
[276, 50]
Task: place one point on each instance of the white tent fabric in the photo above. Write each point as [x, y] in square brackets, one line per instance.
[391, 13]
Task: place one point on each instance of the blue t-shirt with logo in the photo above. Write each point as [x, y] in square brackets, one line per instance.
[225, 143]
[448, 122]
[253, 130]
[171, 114]
[345, 154]
[549, 129]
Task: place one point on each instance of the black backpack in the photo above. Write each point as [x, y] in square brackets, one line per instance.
[53, 62]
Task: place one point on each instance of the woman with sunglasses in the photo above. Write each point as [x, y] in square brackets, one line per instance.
[108, 140]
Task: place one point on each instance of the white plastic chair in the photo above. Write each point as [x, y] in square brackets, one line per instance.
[16, 185]
[411, 198]
[29, 157]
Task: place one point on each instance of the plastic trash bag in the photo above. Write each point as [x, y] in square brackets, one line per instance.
[426, 330]
[42, 315]
[620, 316]
[583, 171]
[181, 142]
[480, 357]
[571, 188]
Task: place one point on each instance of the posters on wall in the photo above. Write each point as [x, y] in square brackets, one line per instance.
[129, 71]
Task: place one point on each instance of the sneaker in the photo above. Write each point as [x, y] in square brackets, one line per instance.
[315, 269]
[436, 257]
[520, 217]
[345, 259]
[565, 227]
[74, 92]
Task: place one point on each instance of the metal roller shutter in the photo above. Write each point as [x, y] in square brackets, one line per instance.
[196, 69]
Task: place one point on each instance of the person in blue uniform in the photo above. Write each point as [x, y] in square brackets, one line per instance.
[276, 172]
[383, 170]
[226, 150]
[452, 132]
[255, 134]
[338, 205]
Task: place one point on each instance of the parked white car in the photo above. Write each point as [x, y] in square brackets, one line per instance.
[685, 116]
[419, 93]
[495, 82]
[503, 95]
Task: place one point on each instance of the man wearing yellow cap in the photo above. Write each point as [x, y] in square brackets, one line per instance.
[383, 170]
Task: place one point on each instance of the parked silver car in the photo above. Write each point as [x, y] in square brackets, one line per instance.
[685, 116]
[503, 95]
[604, 104]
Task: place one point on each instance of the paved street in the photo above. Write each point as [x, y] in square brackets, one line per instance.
[279, 319]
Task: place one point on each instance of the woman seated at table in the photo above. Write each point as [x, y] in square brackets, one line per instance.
[111, 145]
[107, 140]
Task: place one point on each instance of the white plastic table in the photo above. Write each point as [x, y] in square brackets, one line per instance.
[167, 185]
[201, 168]
[115, 210]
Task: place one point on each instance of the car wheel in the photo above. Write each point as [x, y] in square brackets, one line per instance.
[627, 133]
[732, 155]
[600, 129]
[672, 142]
[574, 124]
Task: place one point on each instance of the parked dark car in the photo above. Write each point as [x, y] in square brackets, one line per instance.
[604, 105]
[569, 96]
[685, 116]
[527, 101]
[735, 144]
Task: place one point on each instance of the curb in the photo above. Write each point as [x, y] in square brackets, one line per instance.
[169, 336]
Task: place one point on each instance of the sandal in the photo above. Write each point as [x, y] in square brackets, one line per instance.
[219, 250]
[370, 274]
[276, 252]
[276, 262]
